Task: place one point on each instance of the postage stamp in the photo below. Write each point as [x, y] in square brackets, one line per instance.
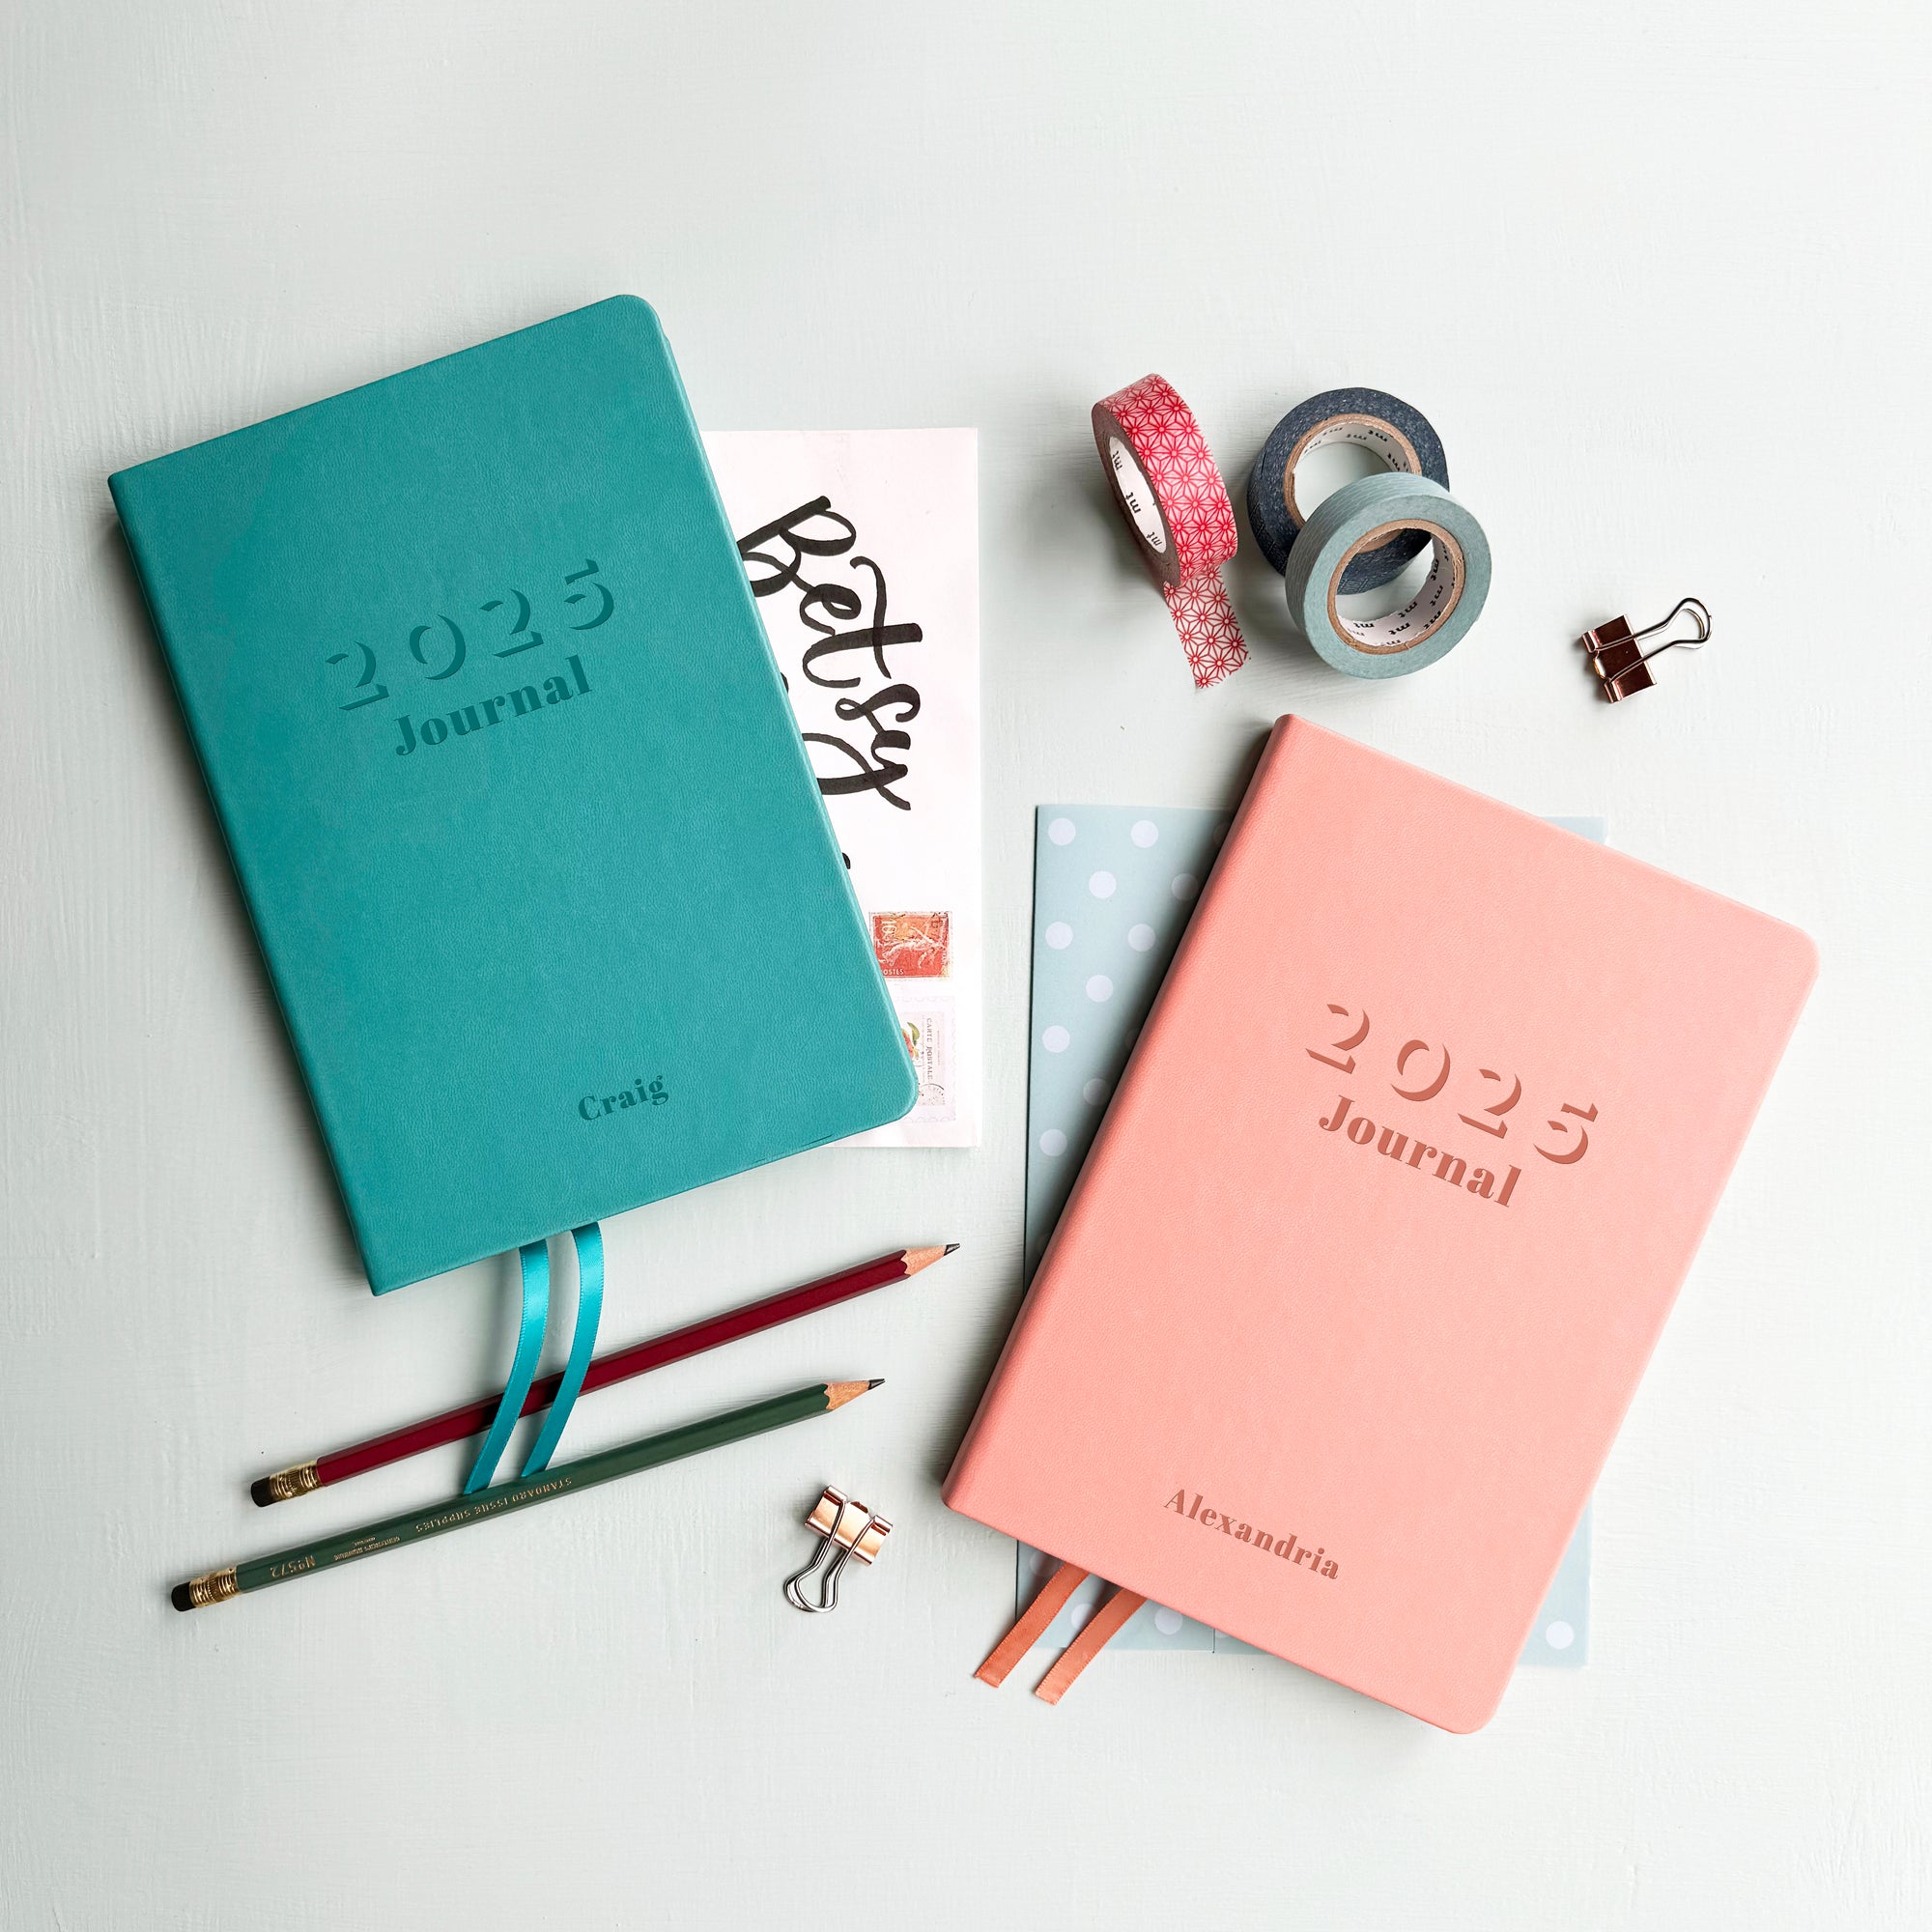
[927, 1032]
[913, 944]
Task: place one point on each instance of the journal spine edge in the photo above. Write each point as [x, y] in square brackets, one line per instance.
[959, 1477]
[123, 488]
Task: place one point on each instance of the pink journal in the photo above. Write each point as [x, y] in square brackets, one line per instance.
[1382, 1223]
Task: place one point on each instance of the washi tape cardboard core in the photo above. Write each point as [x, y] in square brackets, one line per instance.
[1398, 438]
[1360, 519]
[1163, 477]
[1380, 440]
[1431, 607]
[1136, 495]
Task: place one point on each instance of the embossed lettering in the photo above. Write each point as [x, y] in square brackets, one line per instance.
[598, 1107]
[438, 647]
[1398, 1147]
[1267, 1542]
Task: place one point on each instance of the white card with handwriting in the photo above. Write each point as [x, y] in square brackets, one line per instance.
[863, 547]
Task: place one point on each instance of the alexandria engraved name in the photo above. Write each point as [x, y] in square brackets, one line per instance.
[1261, 1542]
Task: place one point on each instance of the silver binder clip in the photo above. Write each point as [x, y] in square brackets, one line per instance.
[847, 1528]
[1617, 655]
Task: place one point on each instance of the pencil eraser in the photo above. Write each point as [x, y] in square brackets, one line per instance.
[180, 1596]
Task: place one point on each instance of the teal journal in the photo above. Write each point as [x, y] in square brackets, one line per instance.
[512, 787]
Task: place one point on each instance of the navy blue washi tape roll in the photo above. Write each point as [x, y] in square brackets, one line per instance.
[1400, 437]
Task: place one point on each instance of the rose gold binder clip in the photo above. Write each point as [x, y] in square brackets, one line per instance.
[849, 1528]
[1617, 655]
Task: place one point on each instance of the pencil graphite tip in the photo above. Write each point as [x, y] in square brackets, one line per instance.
[953, 1247]
[916, 1258]
[877, 1382]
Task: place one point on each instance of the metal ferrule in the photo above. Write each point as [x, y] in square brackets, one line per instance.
[295, 1482]
[215, 1587]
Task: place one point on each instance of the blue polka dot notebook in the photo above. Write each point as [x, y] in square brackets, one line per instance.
[1113, 888]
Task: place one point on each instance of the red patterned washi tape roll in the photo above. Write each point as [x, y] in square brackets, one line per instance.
[1165, 481]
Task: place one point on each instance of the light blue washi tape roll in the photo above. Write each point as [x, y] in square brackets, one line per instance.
[1363, 516]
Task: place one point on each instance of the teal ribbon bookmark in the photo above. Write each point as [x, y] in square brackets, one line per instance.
[535, 1260]
[589, 1310]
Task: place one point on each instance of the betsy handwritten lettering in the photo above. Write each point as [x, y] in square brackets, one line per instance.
[816, 530]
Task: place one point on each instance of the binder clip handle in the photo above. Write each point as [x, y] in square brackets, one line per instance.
[1617, 655]
[846, 1530]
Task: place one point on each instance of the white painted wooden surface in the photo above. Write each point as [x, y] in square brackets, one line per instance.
[1658, 273]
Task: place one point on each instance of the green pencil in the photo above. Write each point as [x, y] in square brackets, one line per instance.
[436, 1518]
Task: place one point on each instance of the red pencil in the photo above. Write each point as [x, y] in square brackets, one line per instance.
[474, 1417]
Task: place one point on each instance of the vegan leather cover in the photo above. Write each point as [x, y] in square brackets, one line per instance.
[507, 772]
[1382, 1227]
